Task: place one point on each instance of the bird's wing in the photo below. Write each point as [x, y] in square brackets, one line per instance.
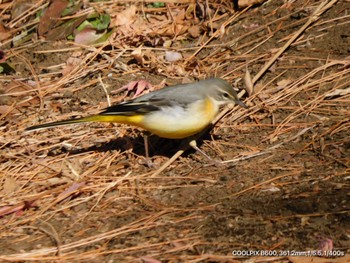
[153, 101]
[130, 108]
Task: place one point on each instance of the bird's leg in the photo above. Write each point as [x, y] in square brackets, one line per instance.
[193, 144]
[146, 145]
[145, 142]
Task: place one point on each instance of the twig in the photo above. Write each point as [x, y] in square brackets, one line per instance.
[169, 162]
[105, 90]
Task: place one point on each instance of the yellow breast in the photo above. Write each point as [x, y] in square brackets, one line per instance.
[177, 122]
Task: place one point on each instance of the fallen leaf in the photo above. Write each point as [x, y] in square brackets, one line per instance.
[194, 31]
[99, 21]
[17, 209]
[51, 16]
[4, 33]
[139, 85]
[65, 29]
[6, 210]
[10, 184]
[249, 86]
[70, 191]
[87, 36]
[180, 17]
[93, 30]
[6, 68]
[325, 245]
[167, 43]
[126, 17]
[138, 56]
[338, 92]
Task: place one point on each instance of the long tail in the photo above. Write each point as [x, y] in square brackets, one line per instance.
[66, 122]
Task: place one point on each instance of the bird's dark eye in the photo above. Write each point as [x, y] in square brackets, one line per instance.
[225, 95]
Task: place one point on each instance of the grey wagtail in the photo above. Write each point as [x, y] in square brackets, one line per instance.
[174, 112]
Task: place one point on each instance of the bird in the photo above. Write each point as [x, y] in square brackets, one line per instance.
[173, 112]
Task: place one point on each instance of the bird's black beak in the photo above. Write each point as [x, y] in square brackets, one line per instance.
[240, 103]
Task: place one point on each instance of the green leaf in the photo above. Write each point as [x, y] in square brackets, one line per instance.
[156, 5]
[6, 68]
[101, 22]
[95, 21]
